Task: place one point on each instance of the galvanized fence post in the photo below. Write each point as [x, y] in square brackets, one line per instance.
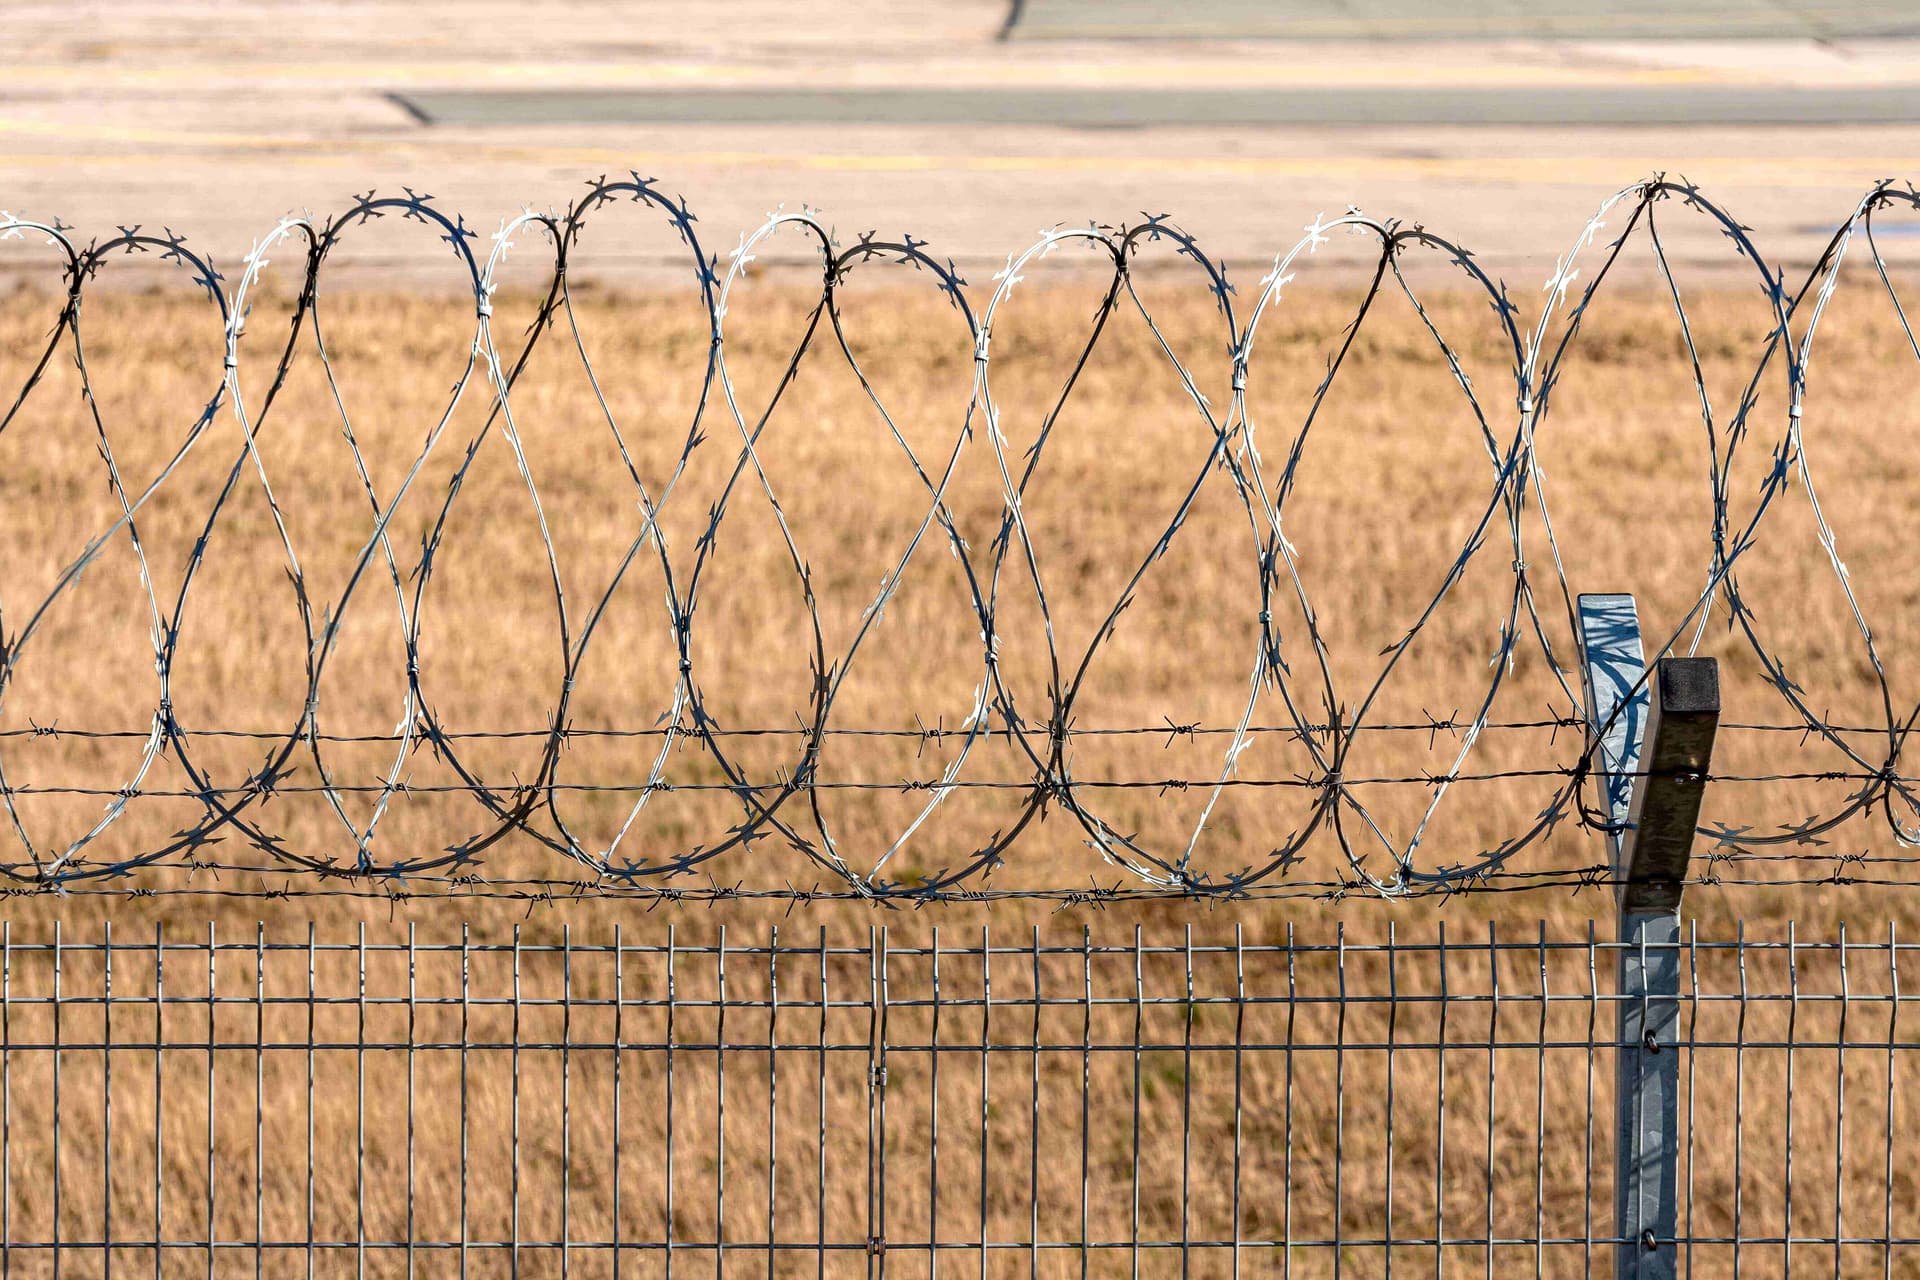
[1654, 762]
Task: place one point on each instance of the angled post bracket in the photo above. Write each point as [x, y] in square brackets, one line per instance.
[1653, 761]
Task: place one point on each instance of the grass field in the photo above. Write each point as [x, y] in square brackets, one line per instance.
[1392, 480]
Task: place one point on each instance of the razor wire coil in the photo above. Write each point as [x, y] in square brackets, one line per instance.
[1290, 674]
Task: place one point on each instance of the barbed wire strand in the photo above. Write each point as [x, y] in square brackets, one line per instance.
[1291, 686]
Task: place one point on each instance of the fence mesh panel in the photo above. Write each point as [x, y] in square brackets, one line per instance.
[978, 1105]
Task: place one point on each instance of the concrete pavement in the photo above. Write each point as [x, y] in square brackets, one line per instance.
[1476, 19]
[215, 118]
[1095, 107]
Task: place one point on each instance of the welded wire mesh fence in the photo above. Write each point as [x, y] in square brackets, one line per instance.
[1206, 1104]
[1303, 734]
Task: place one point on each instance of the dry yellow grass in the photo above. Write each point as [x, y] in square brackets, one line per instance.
[1391, 484]
[1392, 480]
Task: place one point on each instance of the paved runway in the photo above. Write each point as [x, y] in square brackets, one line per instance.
[913, 117]
[1464, 19]
[1094, 107]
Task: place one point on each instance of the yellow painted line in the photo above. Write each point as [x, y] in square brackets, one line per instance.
[1227, 73]
[369, 73]
[461, 147]
[1796, 171]
[156, 137]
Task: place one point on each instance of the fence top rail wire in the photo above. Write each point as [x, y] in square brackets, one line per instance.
[1291, 691]
[757, 945]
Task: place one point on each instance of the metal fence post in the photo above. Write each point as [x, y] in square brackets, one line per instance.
[1655, 759]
